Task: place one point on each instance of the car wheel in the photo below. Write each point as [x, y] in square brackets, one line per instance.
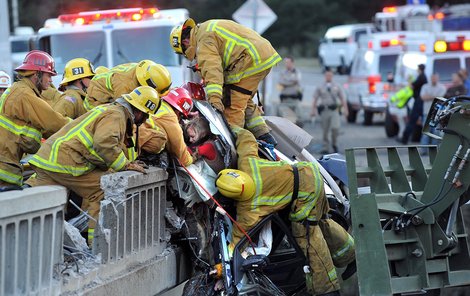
[391, 127]
[352, 114]
[368, 116]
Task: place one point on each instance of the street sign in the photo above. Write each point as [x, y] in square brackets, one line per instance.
[256, 15]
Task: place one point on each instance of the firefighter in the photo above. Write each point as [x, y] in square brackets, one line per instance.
[233, 60]
[5, 82]
[175, 104]
[261, 187]
[77, 76]
[24, 117]
[51, 95]
[101, 69]
[108, 86]
[88, 147]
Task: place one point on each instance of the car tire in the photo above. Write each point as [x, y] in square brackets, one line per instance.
[352, 114]
[368, 116]
[391, 127]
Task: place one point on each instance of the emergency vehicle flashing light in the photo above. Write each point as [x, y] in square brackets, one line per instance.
[461, 44]
[390, 9]
[128, 14]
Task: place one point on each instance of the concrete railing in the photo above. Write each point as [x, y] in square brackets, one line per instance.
[132, 215]
[131, 251]
[133, 256]
[31, 235]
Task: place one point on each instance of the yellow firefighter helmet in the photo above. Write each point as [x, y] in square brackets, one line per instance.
[154, 75]
[77, 69]
[235, 184]
[144, 98]
[175, 35]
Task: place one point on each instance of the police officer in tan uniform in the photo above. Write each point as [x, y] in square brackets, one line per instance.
[328, 102]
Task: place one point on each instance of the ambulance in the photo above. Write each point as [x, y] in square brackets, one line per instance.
[112, 37]
[371, 80]
[444, 53]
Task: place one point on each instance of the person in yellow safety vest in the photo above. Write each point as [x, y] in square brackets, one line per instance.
[177, 102]
[88, 147]
[262, 187]
[24, 117]
[108, 86]
[77, 76]
[233, 60]
[401, 97]
[5, 82]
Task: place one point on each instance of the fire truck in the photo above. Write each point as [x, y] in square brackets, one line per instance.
[112, 37]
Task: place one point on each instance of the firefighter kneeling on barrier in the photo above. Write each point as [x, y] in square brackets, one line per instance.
[91, 146]
[262, 187]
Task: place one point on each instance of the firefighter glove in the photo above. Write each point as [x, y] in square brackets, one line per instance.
[133, 166]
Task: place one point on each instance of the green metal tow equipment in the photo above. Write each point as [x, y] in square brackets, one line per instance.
[405, 208]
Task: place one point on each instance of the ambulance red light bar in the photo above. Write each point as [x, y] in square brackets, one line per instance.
[461, 44]
[389, 9]
[391, 42]
[127, 14]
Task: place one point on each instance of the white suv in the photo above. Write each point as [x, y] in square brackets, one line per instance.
[339, 45]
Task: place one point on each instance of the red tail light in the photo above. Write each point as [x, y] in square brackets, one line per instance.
[372, 80]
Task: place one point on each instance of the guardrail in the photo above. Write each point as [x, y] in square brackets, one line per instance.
[132, 216]
[31, 235]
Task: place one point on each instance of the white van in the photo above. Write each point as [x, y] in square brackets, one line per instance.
[370, 82]
[339, 46]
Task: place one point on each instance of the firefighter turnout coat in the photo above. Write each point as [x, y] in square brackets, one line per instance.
[71, 102]
[166, 120]
[274, 181]
[92, 141]
[231, 54]
[24, 119]
[107, 87]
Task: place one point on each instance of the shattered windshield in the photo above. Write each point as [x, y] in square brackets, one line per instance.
[88, 45]
[136, 44]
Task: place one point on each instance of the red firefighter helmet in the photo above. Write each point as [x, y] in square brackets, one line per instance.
[195, 90]
[37, 60]
[180, 99]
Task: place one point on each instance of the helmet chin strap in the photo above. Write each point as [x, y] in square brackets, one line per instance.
[84, 87]
[39, 75]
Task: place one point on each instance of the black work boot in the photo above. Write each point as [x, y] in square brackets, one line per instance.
[268, 138]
